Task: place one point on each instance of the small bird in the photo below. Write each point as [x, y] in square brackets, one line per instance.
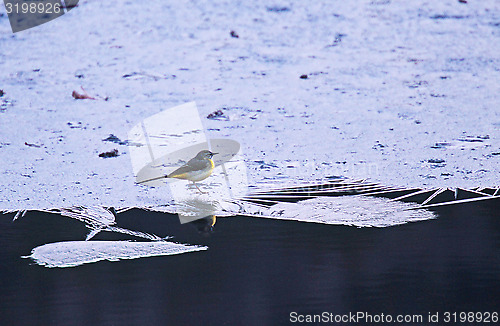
[198, 168]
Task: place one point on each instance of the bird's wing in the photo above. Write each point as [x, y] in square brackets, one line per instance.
[191, 166]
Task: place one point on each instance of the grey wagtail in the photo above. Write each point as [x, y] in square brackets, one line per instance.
[198, 168]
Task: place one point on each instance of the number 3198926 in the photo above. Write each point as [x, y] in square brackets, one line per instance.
[33, 8]
[471, 317]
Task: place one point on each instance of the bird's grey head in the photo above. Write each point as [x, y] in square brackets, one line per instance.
[204, 154]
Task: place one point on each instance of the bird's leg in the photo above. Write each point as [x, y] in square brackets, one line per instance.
[199, 188]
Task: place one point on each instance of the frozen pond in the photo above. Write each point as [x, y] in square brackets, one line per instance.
[373, 96]
[406, 95]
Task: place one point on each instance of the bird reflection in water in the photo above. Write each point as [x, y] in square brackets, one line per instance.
[205, 226]
[199, 213]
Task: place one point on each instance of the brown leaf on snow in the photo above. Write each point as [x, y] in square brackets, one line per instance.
[84, 96]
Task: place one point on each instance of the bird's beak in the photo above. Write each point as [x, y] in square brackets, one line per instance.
[214, 154]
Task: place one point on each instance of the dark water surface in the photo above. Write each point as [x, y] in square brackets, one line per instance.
[256, 271]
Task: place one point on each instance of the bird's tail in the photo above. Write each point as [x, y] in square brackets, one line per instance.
[153, 179]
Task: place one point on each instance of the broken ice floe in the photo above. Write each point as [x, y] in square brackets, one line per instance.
[98, 218]
[337, 202]
[356, 211]
[76, 253]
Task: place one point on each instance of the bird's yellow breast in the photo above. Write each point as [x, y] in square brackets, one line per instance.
[196, 175]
